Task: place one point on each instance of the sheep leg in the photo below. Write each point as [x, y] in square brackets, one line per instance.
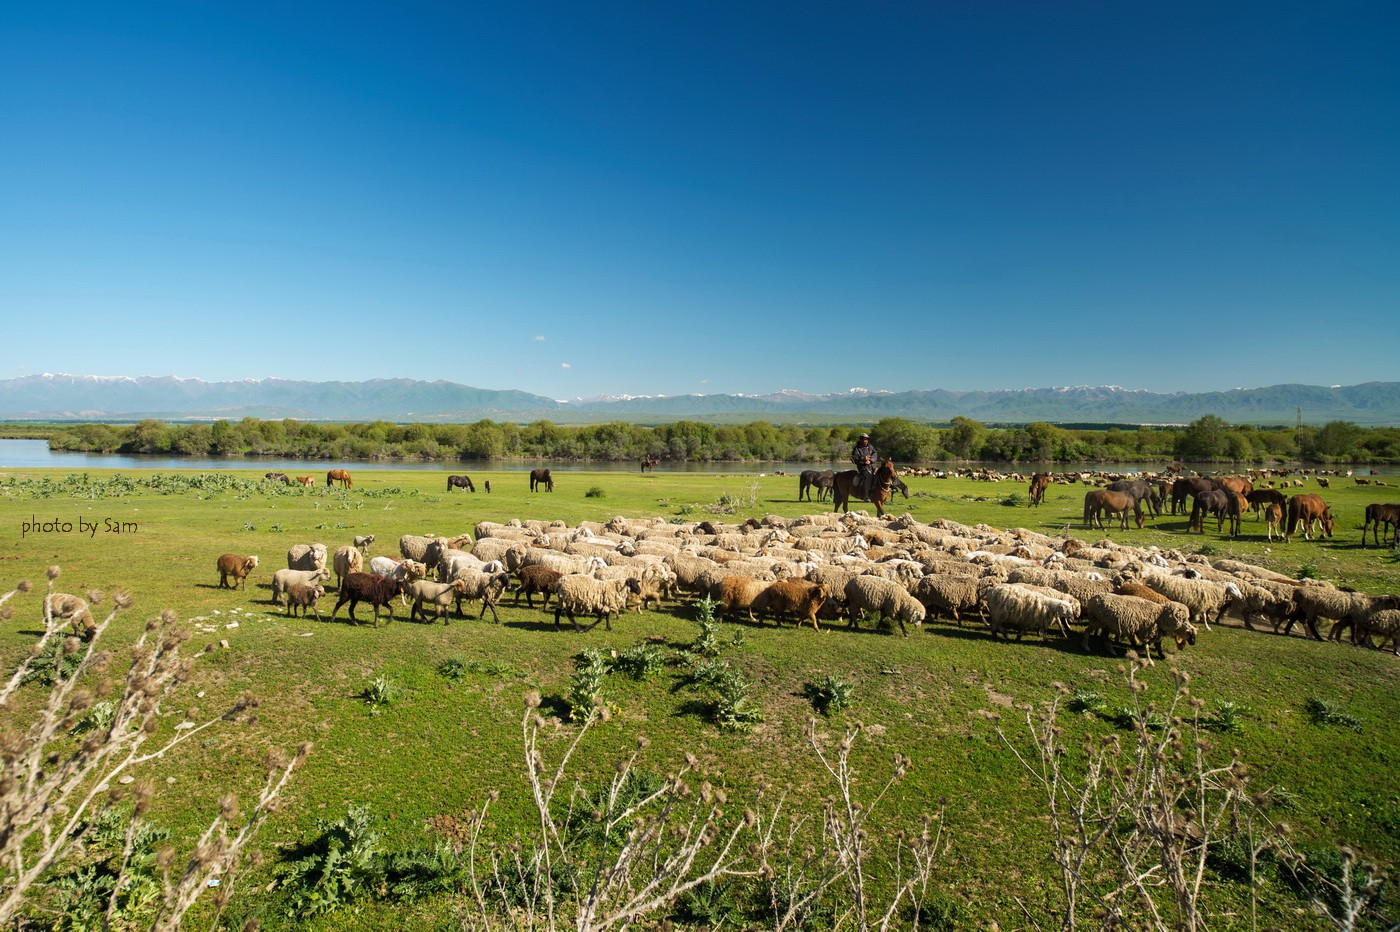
[484, 606]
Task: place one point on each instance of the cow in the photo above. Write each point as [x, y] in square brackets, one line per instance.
[1310, 510]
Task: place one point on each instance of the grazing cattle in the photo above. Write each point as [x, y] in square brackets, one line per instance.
[1097, 502]
[1222, 504]
[649, 463]
[1378, 517]
[278, 477]
[305, 482]
[341, 476]
[1141, 490]
[1311, 511]
[1039, 483]
[1185, 486]
[843, 488]
[460, 482]
[541, 478]
[810, 479]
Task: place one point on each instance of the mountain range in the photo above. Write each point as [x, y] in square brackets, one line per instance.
[123, 398]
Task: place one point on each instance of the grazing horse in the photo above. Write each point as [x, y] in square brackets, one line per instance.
[306, 482]
[1099, 501]
[460, 482]
[1273, 520]
[1188, 485]
[843, 488]
[1220, 503]
[1140, 489]
[339, 475]
[1379, 517]
[1259, 498]
[1235, 484]
[810, 479]
[649, 463]
[1311, 510]
[278, 477]
[1039, 483]
[541, 478]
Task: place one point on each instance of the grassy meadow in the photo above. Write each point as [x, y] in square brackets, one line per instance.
[444, 743]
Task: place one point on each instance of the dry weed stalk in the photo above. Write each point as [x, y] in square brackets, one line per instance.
[51, 777]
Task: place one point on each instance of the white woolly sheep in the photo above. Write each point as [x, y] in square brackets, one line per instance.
[479, 585]
[416, 548]
[306, 557]
[346, 560]
[282, 580]
[580, 594]
[1206, 599]
[425, 592]
[952, 596]
[1132, 620]
[884, 599]
[1025, 608]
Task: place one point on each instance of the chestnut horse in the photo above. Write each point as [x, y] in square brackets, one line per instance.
[1097, 502]
[843, 488]
[341, 476]
[1310, 510]
[1039, 483]
[306, 482]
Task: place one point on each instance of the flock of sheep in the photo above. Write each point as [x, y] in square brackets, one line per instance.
[827, 566]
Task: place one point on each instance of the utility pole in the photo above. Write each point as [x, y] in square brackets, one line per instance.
[1298, 432]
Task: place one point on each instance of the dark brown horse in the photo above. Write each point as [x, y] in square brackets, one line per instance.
[341, 476]
[843, 488]
[810, 479]
[1310, 510]
[1383, 520]
[1039, 483]
[649, 463]
[1098, 502]
[460, 482]
[541, 478]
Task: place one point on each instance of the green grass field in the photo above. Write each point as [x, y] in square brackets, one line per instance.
[446, 742]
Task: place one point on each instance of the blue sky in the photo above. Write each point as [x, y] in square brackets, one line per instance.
[1168, 197]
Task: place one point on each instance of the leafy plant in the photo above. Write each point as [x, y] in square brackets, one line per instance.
[453, 668]
[586, 685]
[1323, 712]
[344, 863]
[1227, 717]
[640, 661]
[595, 492]
[381, 693]
[733, 709]
[707, 643]
[1308, 571]
[829, 694]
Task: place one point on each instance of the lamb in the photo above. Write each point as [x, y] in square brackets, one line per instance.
[282, 580]
[535, 579]
[1362, 607]
[885, 599]
[655, 583]
[232, 566]
[346, 560]
[582, 594]
[1207, 600]
[800, 598]
[74, 610]
[1019, 607]
[362, 543]
[952, 595]
[378, 591]
[484, 586]
[425, 592]
[1132, 619]
[736, 594]
[307, 557]
[1384, 624]
[303, 596]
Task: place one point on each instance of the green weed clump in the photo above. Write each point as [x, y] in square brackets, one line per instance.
[595, 491]
[1324, 712]
[381, 693]
[829, 694]
[585, 695]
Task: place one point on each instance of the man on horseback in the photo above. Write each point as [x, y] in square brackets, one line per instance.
[864, 456]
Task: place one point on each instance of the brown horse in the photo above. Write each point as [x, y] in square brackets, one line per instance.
[1039, 483]
[541, 479]
[306, 482]
[1383, 520]
[1097, 502]
[649, 463]
[1310, 510]
[843, 488]
[341, 476]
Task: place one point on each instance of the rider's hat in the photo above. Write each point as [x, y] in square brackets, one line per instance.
[865, 436]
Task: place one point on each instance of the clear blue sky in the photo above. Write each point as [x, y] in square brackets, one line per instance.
[1157, 196]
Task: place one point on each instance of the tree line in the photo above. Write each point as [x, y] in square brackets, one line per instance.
[1207, 439]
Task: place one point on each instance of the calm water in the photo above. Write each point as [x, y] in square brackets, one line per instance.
[34, 454]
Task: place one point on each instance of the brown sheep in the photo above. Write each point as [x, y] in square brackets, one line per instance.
[537, 579]
[736, 594]
[1142, 592]
[74, 610]
[800, 598]
[303, 596]
[378, 591]
[232, 566]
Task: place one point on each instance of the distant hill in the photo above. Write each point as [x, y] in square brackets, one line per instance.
[122, 398]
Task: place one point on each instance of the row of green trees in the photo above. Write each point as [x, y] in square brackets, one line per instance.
[1208, 439]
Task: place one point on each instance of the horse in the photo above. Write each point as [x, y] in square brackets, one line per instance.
[341, 476]
[1188, 485]
[306, 482]
[1097, 502]
[541, 477]
[810, 479]
[843, 488]
[460, 482]
[1310, 509]
[649, 463]
[278, 477]
[1140, 489]
[1039, 483]
[1235, 484]
[1260, 498]
[1379, 517]
[1221, 503]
